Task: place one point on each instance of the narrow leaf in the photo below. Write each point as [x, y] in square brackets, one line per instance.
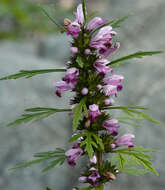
[75, 137]
[134, 171]
[53, 164]
[117, 23]
[31, 73]
[139, 55]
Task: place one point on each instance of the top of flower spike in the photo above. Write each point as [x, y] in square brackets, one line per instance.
[79, 14]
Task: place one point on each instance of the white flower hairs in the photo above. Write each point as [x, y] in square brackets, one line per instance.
[90, 75]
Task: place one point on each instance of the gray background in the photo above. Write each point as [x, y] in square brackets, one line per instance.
[144, 85]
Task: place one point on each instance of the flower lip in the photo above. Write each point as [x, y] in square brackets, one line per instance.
[94, 107]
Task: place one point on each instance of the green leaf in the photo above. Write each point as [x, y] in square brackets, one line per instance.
[80, 61]
[98, 141]
[77, 113]
[130, 123]
[38, 114]
[54, 163]
[122, 161]
[31, 73]
[84, 9]
[134, 171]
[48, 188]
[52, 19]
[85, 188]
[117, 23]
[120, 64]
[75, 137]
[88, 143]
[127, 107]
[139, 55]
[58, 155]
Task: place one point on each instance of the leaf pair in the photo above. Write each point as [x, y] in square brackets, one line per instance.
[58, 157]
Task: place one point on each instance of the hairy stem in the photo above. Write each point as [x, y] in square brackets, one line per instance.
[99, 161]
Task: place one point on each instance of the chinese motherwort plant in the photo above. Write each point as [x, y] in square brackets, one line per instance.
[91, 76]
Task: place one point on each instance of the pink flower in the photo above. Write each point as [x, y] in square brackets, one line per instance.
[71, 75]
[114, 80]
[84, 91]
[87, 51]
[110, 90]
[95, 22]
[103, 42]
[112, 126]
[82, 179]
[62, 86]
[94, 112]
[79, 14]
[73, 154]
[109, 101]
[93, 159]
[101, 67]
[94, 177]
[74, 50]
[109, 50]
[125, 140]
[74, 28]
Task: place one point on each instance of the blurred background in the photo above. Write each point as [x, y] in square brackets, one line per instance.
[29, 40]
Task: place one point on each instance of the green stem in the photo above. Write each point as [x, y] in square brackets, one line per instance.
[99, 162]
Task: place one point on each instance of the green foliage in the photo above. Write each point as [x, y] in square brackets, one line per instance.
[80, 61]
[91, 141]
[116, 24]
[78, 113]
[134, 157]
[48, 188]
[58, 157]
[52, 19]
[84, 188]
[31, 73]
[84, 9]
[134, 114]
[36, 114]
[138, 55]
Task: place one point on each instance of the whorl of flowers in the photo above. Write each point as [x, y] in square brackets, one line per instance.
[90, 76]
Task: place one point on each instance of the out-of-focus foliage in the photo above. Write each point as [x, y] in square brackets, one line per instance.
[19, 18]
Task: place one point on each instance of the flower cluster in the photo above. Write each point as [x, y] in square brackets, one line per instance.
[89, 75]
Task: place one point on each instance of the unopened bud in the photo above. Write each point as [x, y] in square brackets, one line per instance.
[67, 22]
[87, 123]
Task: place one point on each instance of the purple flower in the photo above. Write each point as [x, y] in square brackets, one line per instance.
[93, 159]
[74, 29]
[110, 90]
[84, 91]
[94, 112]
[71, 75]
[94, 177]
[99, 86]
[101, 67]
[79, 14]
[74, 50]
[73, 154]
[103, 42]
[114, 80]
[95, 22]
[125, 140]
[109, 101]
[112, 126]
[62, 86]
[82, 179]
[109, 49]
[87, 51]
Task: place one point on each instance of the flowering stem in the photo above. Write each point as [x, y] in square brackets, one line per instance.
[99, 161]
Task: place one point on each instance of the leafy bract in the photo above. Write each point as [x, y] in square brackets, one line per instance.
[91, 141]
[31, 73]
[58, 157]
[78, 113]
[138, 55]
[36, 114]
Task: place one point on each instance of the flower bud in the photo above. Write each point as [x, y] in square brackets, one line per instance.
[84, 91]
[74, 50]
